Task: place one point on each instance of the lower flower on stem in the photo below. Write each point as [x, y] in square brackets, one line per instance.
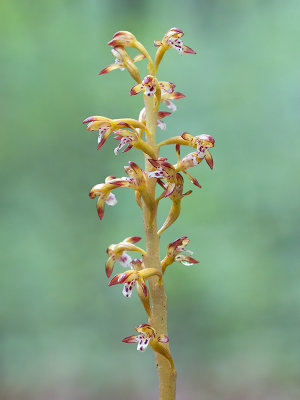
[147, 336]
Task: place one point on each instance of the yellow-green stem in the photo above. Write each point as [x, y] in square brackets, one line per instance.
[167, 376]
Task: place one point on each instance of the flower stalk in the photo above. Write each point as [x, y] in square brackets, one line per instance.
[149, 269]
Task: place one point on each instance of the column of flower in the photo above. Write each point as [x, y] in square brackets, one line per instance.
[141, 134]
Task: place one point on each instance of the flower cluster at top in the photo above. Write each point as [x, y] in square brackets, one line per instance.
[135, 133]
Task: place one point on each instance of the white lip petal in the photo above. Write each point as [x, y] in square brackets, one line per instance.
[111, 200]
[171, 105]
[125, 260]
[162, 125]
[187, 264]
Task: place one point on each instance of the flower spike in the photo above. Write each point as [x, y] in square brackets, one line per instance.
[143, 181]
[173, 253]
[118, 252]
[103, 192]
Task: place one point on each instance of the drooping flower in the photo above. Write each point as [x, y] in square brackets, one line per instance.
[123, 61]
[131, 277]
[118, 252]
[106, 126]
[135, 181]
[103, 192]
[123, 38]
[150, 85]
[174, 251]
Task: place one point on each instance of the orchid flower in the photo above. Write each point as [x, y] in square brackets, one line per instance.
[202, 143]
[103, 192]
[167, 171]
[131, 139]
[106, 126]
[123, 61]
[150, 85]
[173, 39]
[135, 181]
[173, 253]
[147, 336]
[131, 277]
[125, 38]
[118, 252]
[164, 170]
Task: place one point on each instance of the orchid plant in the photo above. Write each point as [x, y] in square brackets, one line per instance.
[141, 134]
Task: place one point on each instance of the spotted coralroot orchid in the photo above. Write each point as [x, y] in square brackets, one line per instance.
[151, 86]
[146, 273]
[147, 336]
[172, 39]
[105, 126]
[131, 139]
[103, 192]
[174, 253]
[134, 277]
[118, 252]
[202, 143]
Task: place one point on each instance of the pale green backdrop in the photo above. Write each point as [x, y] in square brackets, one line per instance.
[234, 318]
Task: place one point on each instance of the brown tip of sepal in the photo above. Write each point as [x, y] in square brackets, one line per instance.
[163, 114]
[114, 280]
[104, 71]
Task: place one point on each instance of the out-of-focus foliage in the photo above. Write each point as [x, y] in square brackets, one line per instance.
[233, 318]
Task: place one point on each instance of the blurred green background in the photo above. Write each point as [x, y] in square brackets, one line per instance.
[234, 318]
